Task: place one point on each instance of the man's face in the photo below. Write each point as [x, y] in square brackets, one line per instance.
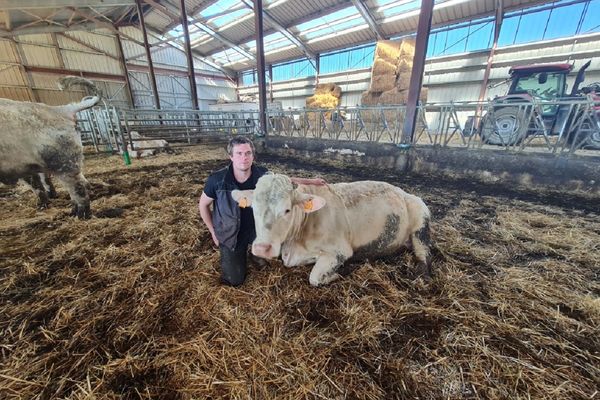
[242, 157]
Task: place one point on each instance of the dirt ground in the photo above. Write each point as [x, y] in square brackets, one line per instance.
[128, 305]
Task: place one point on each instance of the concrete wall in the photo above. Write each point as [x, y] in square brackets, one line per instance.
[490, 166]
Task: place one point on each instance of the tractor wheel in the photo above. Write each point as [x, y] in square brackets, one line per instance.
[588, 140]
[593, 140]
[507, 126]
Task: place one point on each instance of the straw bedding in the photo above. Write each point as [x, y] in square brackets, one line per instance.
[127, 305]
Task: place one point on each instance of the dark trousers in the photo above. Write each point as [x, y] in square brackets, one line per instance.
[234, 265]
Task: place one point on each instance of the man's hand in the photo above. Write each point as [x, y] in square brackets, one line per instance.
[214, 238]
[309, 181]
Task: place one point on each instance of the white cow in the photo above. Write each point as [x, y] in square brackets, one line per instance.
[38, 138]
[144, 147]
[326, 225]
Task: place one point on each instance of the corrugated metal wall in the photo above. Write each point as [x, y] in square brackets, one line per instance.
[30, 66]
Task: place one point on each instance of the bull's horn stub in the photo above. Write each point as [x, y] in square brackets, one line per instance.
[308, 205]
[243, 202]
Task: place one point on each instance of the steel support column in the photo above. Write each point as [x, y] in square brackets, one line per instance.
[416, 77]
[260, 66]
[148, 55]
[488, 67]
[190, 60]
[271, 83]
[125, 72]
[317, 68]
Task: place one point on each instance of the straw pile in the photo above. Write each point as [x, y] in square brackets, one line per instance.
[128, 305]
[327, 96]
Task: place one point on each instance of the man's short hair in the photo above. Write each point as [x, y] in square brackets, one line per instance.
[234, 141]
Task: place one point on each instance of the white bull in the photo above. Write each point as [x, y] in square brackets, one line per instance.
[38, 138]
[326, 225]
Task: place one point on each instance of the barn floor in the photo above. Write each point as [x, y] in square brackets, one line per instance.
[128, 304]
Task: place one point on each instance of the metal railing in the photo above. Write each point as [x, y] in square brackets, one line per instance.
[515, 126]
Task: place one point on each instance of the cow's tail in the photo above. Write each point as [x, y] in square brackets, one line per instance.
[67, 81]
[420, 237]
[87, 102]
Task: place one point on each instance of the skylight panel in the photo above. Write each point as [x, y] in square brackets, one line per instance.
[398, 7]
[231, 17]
[218, 7]
[229, 56]
[327, 19]
[336, 27]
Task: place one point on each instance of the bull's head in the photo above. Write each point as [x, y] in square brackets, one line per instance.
[279, 211]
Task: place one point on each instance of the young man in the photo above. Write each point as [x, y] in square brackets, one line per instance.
[232, 228]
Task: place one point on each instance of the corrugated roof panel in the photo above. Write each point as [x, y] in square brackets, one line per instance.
[7, 52]
[157, 19]
[10, 74]
[44, 38]
[40, 56]
[108, 43]
[170, 56]
[240, 31]
[49, 81]
[343, 40]
[15, 93]
[56, 97]
[79, 61]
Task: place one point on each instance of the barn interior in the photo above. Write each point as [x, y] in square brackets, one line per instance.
[431, 96]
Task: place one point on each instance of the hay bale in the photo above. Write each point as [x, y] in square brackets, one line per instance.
[393, 96]
[329, 88]
[407, 48]
[322, 101]
[382, 83]
[369, 98]
[382, 67]
[388, 50]
[423, 95]
[402, 81]
[404, 66]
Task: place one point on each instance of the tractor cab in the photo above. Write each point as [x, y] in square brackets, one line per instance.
[541, 82]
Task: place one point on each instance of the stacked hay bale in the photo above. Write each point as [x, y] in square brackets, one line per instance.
[390, 74]
[390, 80]
[327, 95]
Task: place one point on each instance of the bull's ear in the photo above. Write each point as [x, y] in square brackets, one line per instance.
[243, 197]
[310, 202]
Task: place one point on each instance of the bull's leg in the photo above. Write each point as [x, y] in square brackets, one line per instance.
[76, 184]
[35, 182]
[48, 186]
[421, 241]
[325, 269]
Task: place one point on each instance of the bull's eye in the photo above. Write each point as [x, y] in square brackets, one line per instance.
[287, 211]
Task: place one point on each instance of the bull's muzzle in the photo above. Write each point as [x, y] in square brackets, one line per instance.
[262, 250]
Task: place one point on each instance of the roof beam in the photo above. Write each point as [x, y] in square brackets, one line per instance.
[179, 46]
[173, 12]
[31, 30]
[106, 25]
[368, 17]
[298, 21]
[191, 14]
[41, 4]
[289, 35]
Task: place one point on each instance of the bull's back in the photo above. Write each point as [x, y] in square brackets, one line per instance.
[378, 214]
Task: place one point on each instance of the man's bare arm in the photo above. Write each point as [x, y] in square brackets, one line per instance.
[206, 215]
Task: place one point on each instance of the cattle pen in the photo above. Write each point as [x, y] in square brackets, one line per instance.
[128, 305]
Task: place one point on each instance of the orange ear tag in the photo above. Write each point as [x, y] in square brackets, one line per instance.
[243, 203]
[308, 205]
